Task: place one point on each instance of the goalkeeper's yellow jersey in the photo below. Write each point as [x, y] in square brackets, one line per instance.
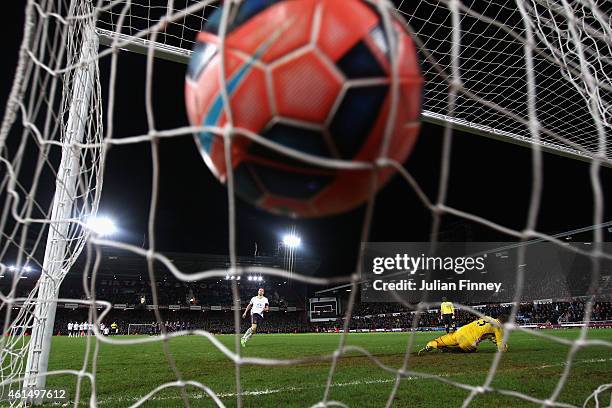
[447, 308]
[481, 329]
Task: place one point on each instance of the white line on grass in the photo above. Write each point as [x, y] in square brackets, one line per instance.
[262, 392]
[587, 361]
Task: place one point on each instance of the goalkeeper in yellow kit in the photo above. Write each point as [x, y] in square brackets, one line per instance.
[467, 338]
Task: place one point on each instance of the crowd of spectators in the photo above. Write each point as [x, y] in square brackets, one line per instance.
[366, 316]
[285, 297]
[397, 315]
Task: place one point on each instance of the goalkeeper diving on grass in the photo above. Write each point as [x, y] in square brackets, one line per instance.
[258, 305]
[467, 338]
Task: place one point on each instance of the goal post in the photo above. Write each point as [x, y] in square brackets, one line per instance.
[323, 309]
[53, 272]
[140, 328]
[55, 117]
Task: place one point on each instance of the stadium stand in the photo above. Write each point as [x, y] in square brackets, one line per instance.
[123, 281]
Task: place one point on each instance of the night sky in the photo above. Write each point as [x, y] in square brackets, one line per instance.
[489, 178]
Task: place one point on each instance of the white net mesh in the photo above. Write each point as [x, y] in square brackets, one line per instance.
[493, 88]
[491, 60]
[538, 73]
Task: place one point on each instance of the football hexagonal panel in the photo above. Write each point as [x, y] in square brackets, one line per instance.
[305, 88]
[295, 137]
[343, 24]
[359, 62]
[250, 102]
[202, 83]
[290, 184]
[272, 27]
[297, 30]
[246, 185]
[353, 120]
[410, 66]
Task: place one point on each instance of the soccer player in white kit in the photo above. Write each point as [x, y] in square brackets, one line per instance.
[69, 329]
[258, 305]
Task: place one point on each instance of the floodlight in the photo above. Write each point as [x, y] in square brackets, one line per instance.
[102, 226]
[291, 240]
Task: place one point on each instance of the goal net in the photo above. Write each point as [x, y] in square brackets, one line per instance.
[534, 72]
[141, 328]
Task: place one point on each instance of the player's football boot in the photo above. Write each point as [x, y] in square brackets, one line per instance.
[243, 342]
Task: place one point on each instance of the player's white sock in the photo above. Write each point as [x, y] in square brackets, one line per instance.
[247, 334]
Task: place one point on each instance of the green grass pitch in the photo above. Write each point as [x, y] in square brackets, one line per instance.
[533, 366]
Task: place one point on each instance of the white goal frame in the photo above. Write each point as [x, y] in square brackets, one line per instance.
[130, 325]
